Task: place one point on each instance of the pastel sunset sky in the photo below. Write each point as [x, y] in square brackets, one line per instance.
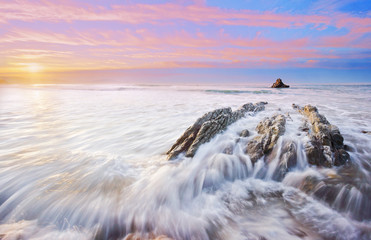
[213, 41]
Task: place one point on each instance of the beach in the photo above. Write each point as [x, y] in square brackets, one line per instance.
[81, 161]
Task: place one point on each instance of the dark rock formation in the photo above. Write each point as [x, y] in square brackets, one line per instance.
[209, 125]
[325, 147]
[269, 130]
[279, 84]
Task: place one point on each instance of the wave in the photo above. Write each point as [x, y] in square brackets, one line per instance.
[239, 91]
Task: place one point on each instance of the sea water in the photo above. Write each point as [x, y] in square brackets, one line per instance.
[89, 162]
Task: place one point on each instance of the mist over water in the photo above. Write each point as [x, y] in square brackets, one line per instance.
[88, 162]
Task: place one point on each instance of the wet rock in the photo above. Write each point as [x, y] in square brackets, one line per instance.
[269, 130]
[294, 106]
[297, 232]
[228, 150]
[349, 148]
[288, 157]
[245, 133]
[112, 231]
[309, 184]
[366, 132]
[325, 147]
[209, 125]
[149, 236]
[279, 84]
[304, 128]
[346, 189]
[317, 154]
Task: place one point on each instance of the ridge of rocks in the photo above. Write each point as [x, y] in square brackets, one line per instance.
[325, 147]
[207, 126]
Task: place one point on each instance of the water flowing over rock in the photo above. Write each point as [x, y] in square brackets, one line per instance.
[209, 125]
[269, 130]
[149, 236]
[279, 84]
[325, 147]
[287, 159]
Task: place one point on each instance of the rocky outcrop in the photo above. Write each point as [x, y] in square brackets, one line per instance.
[279, 84]
[325, 147]
[269, 130]
[209, 125]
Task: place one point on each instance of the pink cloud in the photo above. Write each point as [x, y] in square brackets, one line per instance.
[63, 11]
[141, 47]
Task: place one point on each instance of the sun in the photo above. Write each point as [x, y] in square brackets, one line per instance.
[34, 67]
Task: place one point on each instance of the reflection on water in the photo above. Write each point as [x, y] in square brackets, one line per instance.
[84, 162]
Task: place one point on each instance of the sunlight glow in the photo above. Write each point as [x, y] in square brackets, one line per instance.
[34, 67]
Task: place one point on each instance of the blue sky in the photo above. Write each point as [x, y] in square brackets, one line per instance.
[185, 41]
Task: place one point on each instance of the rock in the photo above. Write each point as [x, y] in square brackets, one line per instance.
[325, 147]
[269, 130]
[288, 157]
[228, 150]
[315, 153]
[339, 187]
[309, 184]
[209, 125]
[279, 84]
[366, 132]
[149, 236]
[245, 133]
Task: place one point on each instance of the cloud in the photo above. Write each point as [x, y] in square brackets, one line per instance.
[72, 35]
[65, 11]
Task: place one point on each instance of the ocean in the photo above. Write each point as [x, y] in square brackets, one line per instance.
[89, 162]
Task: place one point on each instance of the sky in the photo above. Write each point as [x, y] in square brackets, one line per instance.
[200, 41]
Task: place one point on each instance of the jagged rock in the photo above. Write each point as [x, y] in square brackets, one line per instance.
[279, 84]
[325, 147]
[209, 125]
[269, 130]
[245, 133]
